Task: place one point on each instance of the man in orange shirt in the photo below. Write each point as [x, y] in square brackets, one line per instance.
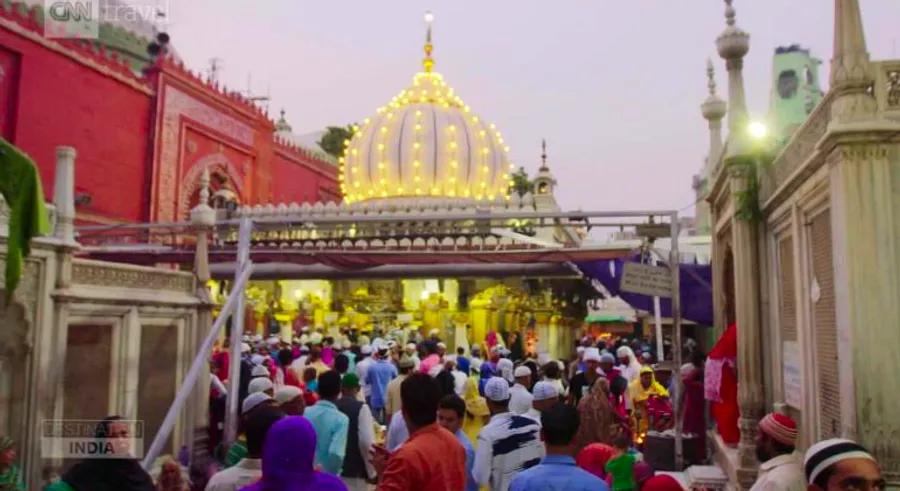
[432, 458]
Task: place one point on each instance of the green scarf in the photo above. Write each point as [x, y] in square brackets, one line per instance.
[11, 479]
[20, 185]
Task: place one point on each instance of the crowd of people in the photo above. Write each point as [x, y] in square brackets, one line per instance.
[353, 413]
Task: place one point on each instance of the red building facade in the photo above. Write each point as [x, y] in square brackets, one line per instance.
[142, 141]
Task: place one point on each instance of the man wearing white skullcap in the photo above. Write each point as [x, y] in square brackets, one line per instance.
[545, 396]
[581, 383]
[519, 397]
[507, 442]
[261, 384]
[838, 464]
[413, 355]
[362, 369]
[290, 400]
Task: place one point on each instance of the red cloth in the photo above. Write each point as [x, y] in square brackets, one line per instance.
[593, 458]
[221, 358]
[721, 385]
[431, 459]
[662, 482]
[727, 412]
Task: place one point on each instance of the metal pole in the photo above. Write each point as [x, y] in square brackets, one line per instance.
[194, 372]
[675, 269]
[237, 330]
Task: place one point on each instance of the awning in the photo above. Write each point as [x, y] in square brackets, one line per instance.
[696, 288]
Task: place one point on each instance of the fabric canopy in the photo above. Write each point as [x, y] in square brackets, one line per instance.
[696, 288]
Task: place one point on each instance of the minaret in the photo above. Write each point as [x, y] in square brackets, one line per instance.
[282, 125]
[713, 110]
[850, 74]
[740, 164]
[732, 45]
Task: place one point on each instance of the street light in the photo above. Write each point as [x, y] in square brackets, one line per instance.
[758, 130]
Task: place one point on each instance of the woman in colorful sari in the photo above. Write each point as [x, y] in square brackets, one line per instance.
[640, 391]
[599, 421]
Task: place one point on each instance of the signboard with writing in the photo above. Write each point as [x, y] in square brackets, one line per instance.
[654, 230]
[645, 279]
[791, 373]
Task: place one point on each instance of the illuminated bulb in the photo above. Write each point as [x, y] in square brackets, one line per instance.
[381, 165]
[434, 190]
[366, 121]
[371, 193]
[381, 146]
[416, 145]
[418, 113]
[454, 164]
[481, 133]
[390, 115]
[512, 166]
[384, 129]
[354, 151]
[485, 168]
[485, 150]
[505, 149]
[346, 143]
[383, 181]
[355, 170]
[416, 179]
[452, 180]
[418, 191]
[452, 193]
[418, 127]
[341, 160]
[491, 126]
[416, 163]
[452, 144]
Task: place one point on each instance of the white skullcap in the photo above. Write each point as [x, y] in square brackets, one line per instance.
[826, 453]
[411, 346]
[346, 344]
[366, 350]
[545, 390]
[316, 338]
[592, 354]
[257, 359]
[624, 351]
[522, 371]
[496, 389]
[304, 339]
[253, 400]
[260, 384]
[579, 350]
[287, 393]
[259, 371]
[273, 340]
[245, 348]
[442, 345]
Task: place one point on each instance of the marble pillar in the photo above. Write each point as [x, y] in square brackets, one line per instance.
[751, 398]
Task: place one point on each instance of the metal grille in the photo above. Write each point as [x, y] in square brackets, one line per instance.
[825, 326]
[787, 302]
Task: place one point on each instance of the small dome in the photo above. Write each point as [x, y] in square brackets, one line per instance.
[734, 42]
[425, 143]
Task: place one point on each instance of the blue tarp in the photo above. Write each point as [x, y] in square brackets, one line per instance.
[696, 288]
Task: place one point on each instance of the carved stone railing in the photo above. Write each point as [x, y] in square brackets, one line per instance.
[797, 150]
[111, 275]
[887, 87]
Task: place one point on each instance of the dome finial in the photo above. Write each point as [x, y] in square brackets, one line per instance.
[428, 62]
[544, 154]
[710, 77]
[729, 12]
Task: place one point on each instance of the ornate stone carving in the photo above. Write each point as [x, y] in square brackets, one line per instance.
[177, 104]
[110, 275]
[892, 87]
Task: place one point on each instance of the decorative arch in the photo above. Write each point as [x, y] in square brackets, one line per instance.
[221, 170]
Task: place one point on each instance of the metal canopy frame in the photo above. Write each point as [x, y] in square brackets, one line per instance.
[246, 224]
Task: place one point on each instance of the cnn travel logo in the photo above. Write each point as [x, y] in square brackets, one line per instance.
[81, 19]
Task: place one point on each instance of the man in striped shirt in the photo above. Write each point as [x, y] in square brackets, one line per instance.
[508, 444]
